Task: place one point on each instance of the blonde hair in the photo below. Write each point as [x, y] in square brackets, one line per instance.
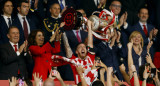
[133, 34]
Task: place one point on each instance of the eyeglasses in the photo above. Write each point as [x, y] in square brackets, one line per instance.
[118, 6]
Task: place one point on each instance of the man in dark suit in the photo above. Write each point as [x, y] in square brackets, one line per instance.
[13, 57]
[6, 20]
[116, 6]
[109, 53]
[25, 23]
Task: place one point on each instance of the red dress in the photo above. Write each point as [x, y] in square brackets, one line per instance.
[42, 58]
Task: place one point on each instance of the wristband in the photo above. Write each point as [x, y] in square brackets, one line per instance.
[118, 42]
[144, 79]
[90, 49]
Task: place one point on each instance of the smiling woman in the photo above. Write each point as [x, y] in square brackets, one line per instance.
[136, 37]
[138, 52]
[42, 52]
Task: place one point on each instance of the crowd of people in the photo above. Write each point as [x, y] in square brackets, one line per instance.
[35, 46]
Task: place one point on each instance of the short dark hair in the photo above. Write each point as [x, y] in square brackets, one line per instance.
[78, 45]
[22, 1]
[3, 3]
[32, 36]
[98, 83]
[11, 27]
[142, 8]
[54, 4]
[114, 1]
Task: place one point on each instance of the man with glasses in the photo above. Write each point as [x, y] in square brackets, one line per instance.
[116, 8]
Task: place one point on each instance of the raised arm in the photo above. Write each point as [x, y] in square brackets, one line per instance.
[90, 37]
[123, 72]
[102, 71]
[134, 74]
[145, 76]
[132, 69]
[109, 76]
[149, 60]
[67, 46]
[130, 59]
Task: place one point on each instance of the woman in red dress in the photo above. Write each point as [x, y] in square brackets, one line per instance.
[42, 53]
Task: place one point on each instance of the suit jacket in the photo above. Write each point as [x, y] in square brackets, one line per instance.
[110, 57]
[4, 30]
[32, 25]
[135, 57]
[72, 39]
[10, 63]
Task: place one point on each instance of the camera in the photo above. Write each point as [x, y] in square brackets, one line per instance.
[153, 72]
[54, 71]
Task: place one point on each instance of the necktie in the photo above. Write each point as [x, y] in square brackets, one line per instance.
[78, 37]
[25, 28]
[9, 22]
[117, 21]
[15, 48]
[61, 5]
[145, 30]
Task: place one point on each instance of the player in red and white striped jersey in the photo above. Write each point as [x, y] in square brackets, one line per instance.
[85, 56]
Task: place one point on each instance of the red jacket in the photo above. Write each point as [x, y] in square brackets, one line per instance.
[42, 58]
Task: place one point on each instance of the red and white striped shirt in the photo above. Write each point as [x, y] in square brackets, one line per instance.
[86, 63]
[89, 74]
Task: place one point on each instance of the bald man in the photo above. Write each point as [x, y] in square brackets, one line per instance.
[48, 82]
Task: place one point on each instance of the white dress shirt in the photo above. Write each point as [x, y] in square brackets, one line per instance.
[6, 19]
[142, 25]
[116, 18]
[140, 61]
[21, 20]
